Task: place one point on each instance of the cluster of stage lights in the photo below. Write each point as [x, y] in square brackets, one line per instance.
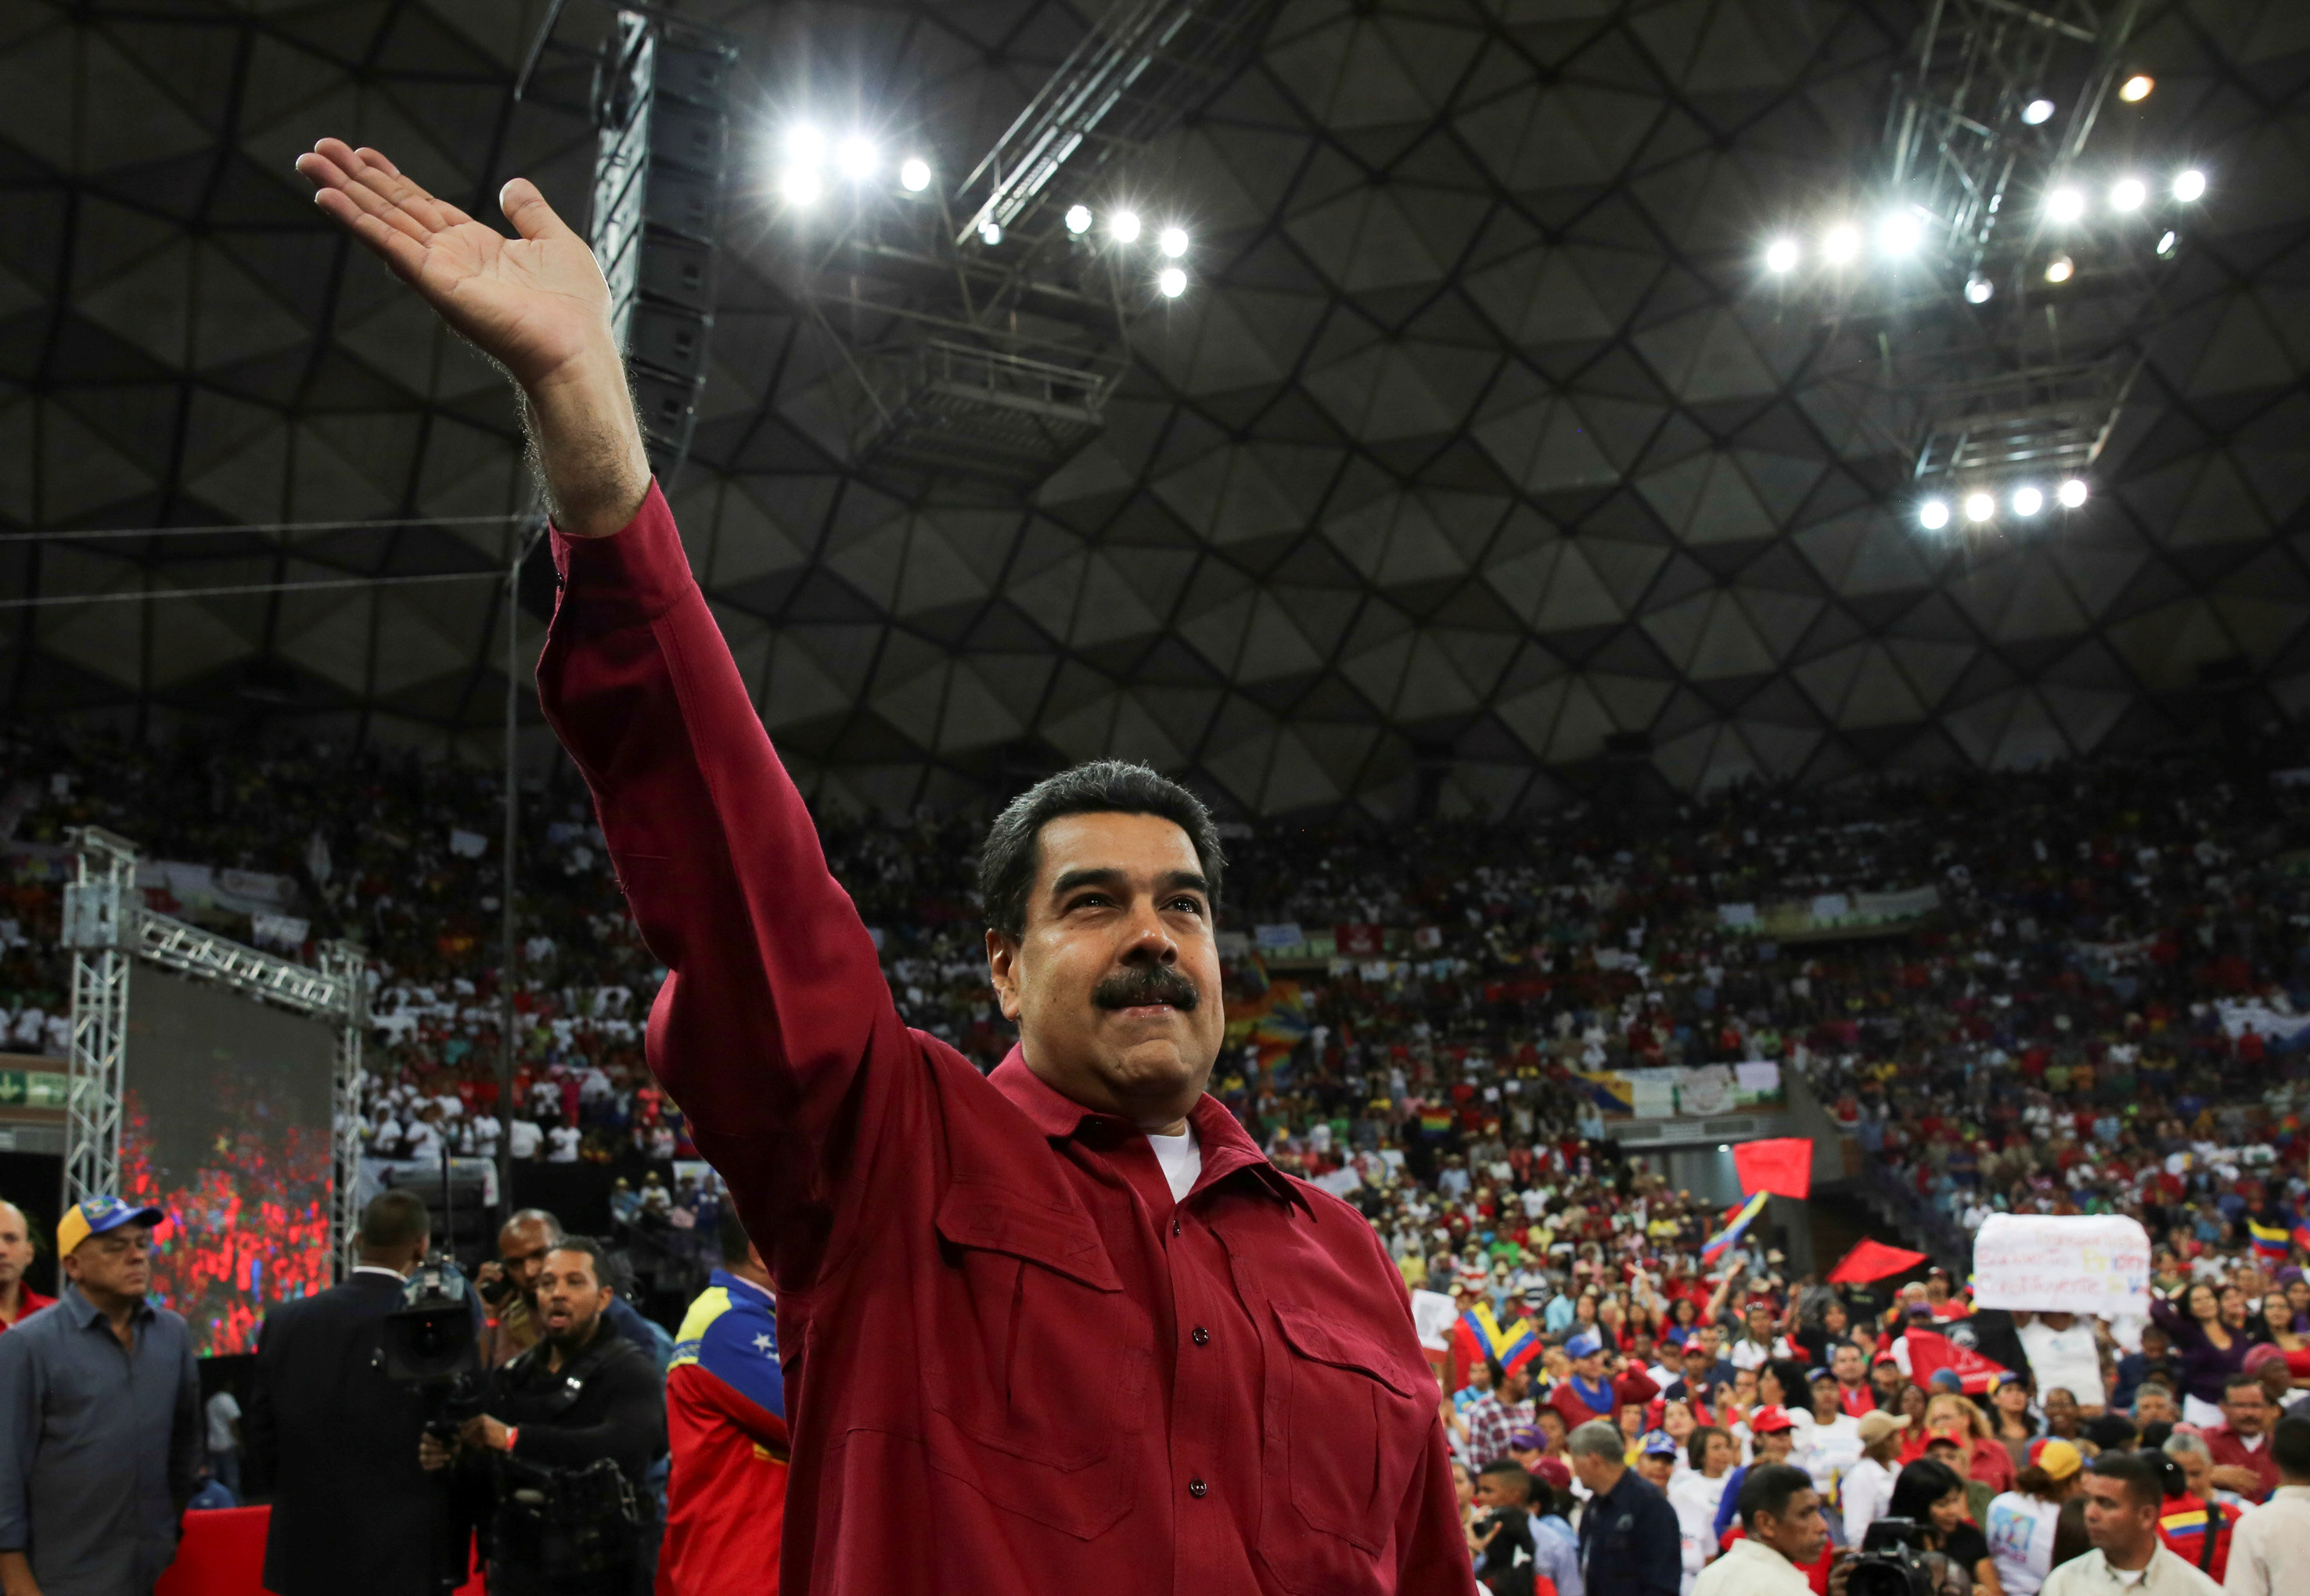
[809, 158]
[1980, 507]
[1900, 234]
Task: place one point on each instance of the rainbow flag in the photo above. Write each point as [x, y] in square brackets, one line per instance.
[1436, 1122]
[2269, 1241]
[1512, 1347]
[1736, 1221]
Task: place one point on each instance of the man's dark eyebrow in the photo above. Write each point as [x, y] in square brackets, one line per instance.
[1175, 881]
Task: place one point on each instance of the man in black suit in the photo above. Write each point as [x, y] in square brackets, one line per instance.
[352, 1510]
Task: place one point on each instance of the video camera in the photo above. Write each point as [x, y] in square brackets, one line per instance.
[1892, 1561]
[430, 1344]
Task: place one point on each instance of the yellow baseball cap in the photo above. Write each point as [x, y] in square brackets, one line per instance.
[2057, 1458]
[93, 1216]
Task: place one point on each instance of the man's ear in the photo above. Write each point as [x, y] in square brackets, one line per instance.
[1003, 969]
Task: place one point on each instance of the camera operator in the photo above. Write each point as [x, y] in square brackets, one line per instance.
[573, 1425]
[508, 1285]
[1783, 1534]
[2124, 1496]
[329, 1428]
[1931, 1496]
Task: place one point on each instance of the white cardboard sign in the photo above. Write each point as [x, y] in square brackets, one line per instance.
[2082, 1263]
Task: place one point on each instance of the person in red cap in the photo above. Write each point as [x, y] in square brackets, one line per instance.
[18, 1300]
[1772, 1436]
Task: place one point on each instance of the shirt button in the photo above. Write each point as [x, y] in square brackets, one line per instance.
[1202, 1336]
[1198, 1490]
[1175, 1223]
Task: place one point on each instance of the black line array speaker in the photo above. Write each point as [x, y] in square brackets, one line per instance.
[661, 99]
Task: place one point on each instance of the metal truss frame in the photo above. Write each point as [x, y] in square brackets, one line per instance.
[108, 928]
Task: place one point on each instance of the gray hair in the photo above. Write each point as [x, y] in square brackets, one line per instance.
[2182, 1441]
[1598, 1438]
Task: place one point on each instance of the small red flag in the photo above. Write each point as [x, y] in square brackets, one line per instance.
[1782, 1165]
[1929, 1350]
[1873, 1261]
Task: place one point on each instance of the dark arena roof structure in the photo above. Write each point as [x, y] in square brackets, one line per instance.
[1490, 452]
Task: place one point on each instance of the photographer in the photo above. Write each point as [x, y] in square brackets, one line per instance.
[1502, 1529]
[574, 1424]
[1783, 1533]
[327, 1426]
[1931, 1496]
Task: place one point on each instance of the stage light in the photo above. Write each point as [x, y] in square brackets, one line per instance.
[2037, 112]
[2188, 186]
[2136, 88]
[805, 144]
[1840, 245]
[1781, 256]
[1899, 234]
[2127, 194]
[1172, 241]
[2028, 501]
[1933, 514]
[914, 174]
[2059, 269]
[2065, 205]
[801, 186]
[1979, 506]
[1171, 282]
[1978, 290]
[1078, 219]
[856, 158]
[991, 234]
[1124, 226]
[2167, 242]
[2072, 493]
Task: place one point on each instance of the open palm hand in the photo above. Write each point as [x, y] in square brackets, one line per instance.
[535, 303]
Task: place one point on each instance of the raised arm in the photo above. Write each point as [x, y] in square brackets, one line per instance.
[777, 1001]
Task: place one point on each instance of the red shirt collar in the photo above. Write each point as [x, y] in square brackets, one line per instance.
[33, 1302]
[1226, 1147]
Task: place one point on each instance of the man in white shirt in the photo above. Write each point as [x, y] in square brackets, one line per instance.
[2276, 1536]
[1783, 1534]
[561, 1144]
[2063, 1356]
[2124, 1498]
[523, 1138]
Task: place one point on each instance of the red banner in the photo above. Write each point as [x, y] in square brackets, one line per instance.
[1356, 941]
[1782, 1165]
[1930, 1351]
[1873, 1261]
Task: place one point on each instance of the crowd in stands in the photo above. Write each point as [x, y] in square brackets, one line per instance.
[2096, 1011]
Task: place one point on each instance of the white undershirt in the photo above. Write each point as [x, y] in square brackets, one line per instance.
[1182, 1158]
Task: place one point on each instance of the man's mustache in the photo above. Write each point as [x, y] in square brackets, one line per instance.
[1146, 984]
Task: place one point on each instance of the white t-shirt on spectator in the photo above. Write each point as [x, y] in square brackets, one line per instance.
[2064, 1359]
[421, 1141]
[561, 1142]
[523, 1138]
[224, 1412]
[2020, 1530]
[485, 1130]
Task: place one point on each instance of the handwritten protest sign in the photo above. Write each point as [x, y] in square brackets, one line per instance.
[2085, 1264]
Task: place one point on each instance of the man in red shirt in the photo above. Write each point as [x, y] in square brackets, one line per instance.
[1592, 1391]
[1066, 1315]
[2240, 1445]
[17, 1299]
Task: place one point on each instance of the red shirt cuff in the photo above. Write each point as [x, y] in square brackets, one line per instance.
[635, 575]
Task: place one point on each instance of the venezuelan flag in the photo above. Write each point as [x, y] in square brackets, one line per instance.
[1511, 1348]
[1736, 1222]
[2269, 1241]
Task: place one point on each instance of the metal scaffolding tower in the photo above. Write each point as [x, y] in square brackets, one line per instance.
[108, 927]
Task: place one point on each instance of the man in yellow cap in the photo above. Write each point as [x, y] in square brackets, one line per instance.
[100, 1429]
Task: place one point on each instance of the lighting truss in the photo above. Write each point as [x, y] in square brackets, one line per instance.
[1991, 366]
[108, 927]
[1144, 65]
[977, 333]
